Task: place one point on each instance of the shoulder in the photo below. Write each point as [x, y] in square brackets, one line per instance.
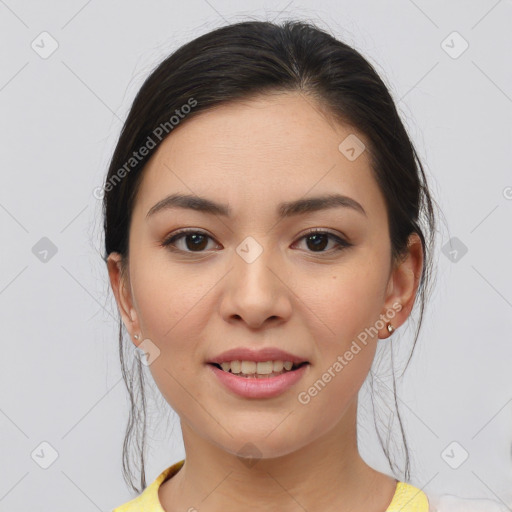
[450, 503]
[148, 499]
[408, 498]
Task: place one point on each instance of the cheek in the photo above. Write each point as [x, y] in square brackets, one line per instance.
[348, 308]
[170, 302]
[174, 306]
[172, 309]
[347, 299]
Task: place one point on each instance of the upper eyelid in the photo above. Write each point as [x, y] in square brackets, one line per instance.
[184, 231]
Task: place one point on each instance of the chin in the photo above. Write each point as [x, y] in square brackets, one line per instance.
[254, 446]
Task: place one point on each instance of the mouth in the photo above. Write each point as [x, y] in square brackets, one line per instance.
[258, 370]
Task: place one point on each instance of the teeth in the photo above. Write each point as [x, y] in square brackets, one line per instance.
[265, 368]
[235, 366]
[278, 366]
[253, 368]
[248, 367]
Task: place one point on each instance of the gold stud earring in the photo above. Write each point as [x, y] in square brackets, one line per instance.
[390, 328]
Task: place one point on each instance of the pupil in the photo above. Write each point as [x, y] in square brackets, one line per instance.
[316, 240]
[197, 238]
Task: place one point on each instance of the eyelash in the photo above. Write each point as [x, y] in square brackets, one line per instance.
[341, 243]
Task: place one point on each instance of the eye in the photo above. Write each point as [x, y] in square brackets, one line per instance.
[195, 241]
[318, 239]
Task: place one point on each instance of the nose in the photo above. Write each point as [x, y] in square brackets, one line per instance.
[256, 291]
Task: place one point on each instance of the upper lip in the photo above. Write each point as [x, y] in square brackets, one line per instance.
[261, 355]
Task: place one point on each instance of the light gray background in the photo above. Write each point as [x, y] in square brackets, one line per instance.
[60, 117]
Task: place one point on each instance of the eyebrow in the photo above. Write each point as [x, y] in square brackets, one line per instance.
[286, 209]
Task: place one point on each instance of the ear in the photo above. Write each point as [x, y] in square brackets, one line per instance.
[403, 284]
[120, 283]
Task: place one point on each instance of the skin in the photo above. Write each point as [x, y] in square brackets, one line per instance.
[194, 305]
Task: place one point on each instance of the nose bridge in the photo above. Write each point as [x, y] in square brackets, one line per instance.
[255, 291]
[253, 265]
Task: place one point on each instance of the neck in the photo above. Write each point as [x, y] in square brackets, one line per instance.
[327, 474]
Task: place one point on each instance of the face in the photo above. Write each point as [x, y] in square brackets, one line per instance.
[259, 278]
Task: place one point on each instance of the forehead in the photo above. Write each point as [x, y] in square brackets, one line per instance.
[260, 151]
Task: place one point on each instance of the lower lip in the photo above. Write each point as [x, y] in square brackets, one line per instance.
[253, 387]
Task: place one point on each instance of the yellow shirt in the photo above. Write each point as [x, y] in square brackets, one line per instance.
[407, 498]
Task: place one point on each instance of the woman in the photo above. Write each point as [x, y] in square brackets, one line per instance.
[267, 221]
